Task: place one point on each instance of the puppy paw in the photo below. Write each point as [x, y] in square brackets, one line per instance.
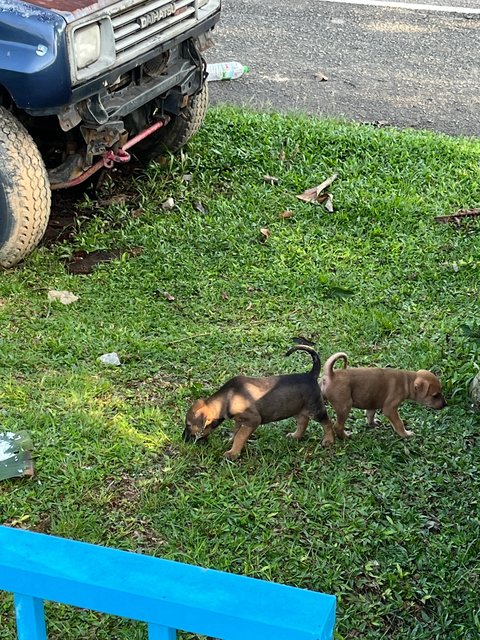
[294, 435]
[343, 435]
[328, 441]
[409, 434]
[230, 455]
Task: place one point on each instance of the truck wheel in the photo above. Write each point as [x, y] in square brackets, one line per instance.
[24, 192]
[178, 131]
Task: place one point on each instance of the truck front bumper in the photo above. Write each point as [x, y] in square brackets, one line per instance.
[183, 77]
[183, 71]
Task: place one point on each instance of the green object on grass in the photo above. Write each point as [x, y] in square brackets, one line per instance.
[15, 454]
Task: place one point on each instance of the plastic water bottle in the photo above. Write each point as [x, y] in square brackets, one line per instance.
[225, 70]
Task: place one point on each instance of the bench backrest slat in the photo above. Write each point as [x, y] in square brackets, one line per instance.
[161, 592]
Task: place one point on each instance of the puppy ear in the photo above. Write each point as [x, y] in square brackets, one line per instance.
[201, 412]
[421, 387]
[198, 405]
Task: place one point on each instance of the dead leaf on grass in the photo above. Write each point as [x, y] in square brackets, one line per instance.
[65, 297]
[271, 179]
[285, 214]
[316, 194]
[198, 206]
[168, 204]
[168, 296]
[329, 203]
[114, 199]
[370, 471]
[224, 295]
[265, 231]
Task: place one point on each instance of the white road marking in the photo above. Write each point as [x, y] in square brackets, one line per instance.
[408, 5]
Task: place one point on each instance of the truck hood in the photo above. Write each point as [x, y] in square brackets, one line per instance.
[73, 9]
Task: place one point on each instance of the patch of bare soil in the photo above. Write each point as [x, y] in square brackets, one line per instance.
[69, 212]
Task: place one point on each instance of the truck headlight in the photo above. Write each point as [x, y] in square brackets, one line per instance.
[86, 45]
[91, 48]
[212, 4]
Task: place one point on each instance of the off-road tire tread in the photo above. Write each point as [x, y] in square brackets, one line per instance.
[30, 201]
[179, 130]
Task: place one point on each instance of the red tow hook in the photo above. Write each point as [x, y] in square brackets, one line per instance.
[109, 158]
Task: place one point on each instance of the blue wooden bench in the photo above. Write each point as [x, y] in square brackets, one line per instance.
[166, 595]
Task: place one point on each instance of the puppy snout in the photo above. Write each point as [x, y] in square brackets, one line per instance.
[438, 401]
[197, 438]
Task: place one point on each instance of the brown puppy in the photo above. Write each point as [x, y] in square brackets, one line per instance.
[372, 389]
[254, 401]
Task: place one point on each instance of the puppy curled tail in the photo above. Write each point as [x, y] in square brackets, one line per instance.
[315, 371]
[328, 368]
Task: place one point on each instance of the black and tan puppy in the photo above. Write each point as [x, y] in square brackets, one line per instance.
[250, 402]
[372, 388]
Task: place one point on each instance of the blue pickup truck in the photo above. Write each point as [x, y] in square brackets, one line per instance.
[81, 83]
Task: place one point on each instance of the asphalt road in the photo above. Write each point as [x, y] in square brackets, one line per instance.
[405, 67]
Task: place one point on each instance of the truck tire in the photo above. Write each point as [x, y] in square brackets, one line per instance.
[178, 131]
[24, 192]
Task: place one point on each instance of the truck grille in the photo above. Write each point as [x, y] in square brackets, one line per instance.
[144, 25]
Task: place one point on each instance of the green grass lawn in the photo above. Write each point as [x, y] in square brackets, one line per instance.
[390, 527]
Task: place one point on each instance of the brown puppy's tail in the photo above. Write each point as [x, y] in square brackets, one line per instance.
[328, 368]
[315, 371]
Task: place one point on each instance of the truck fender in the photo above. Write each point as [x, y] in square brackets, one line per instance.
[33, 56]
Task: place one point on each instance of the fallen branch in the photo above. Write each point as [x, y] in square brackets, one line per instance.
[463, 213]
[314, 194]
